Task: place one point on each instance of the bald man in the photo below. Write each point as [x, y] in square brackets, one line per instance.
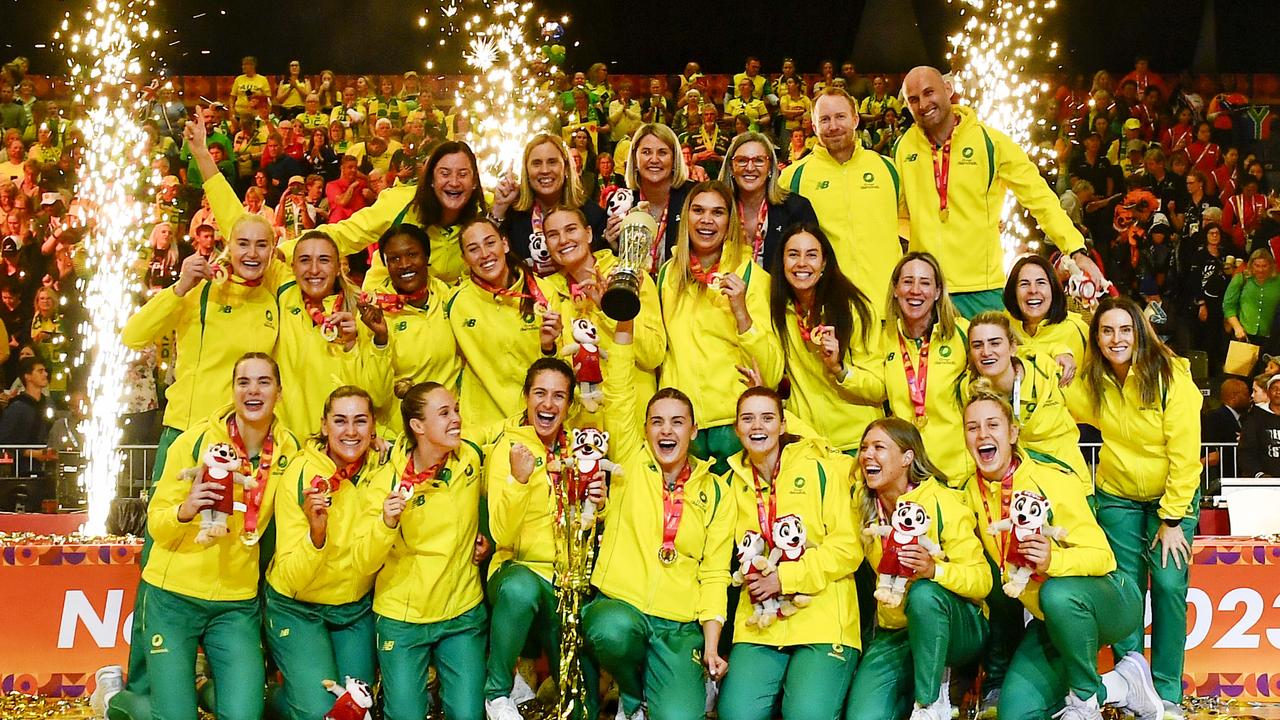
[955, 171]
[854, 193]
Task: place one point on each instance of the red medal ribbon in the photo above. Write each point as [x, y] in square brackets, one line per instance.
[659, 238]
[806, 327]
[1006, 496]
[766, 519]
[757, 235]
[319, 319]
[703, 276]
[917, 386]
[394, 302]
[411, 478]
[334, 482]
[942, 173]
[532, 291]
[672, 509]
[253, 498]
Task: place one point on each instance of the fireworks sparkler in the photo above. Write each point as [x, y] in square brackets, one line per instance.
[103, 48]
[990, 58]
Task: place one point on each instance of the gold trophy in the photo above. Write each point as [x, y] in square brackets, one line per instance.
[621, 299]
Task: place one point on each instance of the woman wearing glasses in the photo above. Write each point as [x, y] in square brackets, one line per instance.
[764, 207]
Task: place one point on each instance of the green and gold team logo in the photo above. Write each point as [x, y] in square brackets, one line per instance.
[157, 640]
[945, 351]
[283, 463]
[270, 317]
[868, 177]
[967, 153]
[702, 496]
[799, 482]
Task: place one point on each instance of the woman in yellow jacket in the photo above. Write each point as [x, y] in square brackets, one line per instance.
[523, 489]
[936, 620]
[1032, 380]
[791, 497]
[1034, 298]
[202, 577]
[428, 601]
[827, 326]
[715, 306]
[663, 566]
[577, 288]
[922, 363]
[405, 311]
[1143, 400]
[318, 599]
[502, 320]
[1063, 573]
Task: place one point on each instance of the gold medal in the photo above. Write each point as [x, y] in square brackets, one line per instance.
[667, 555]
[945, 214]
[921, 421]
[329, 330]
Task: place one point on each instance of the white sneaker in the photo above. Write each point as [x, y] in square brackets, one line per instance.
[504, 708]
[109, 681]
[940, 710]
[521, 693]
[1077, 709]
[1142, 699]
[989, 706]
[1172, 711]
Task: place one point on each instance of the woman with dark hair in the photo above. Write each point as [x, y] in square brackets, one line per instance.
[715, 305]
[320, 157]
[765, 208]
[547, 181]
[826, 326]
[1034, 298]
[1140, 395]
[523, 486]
[1206, 287]
[502, 320]
[791, 495]
[936, 622]
[319, 592]
[657, 173]
[405, 312]
[201, 580]
[1203, 152]
[663, 566]
[1065, 577]
[428, 603]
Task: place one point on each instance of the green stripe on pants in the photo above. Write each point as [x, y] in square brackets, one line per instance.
[1060, 654]
[230, 632]
[812, 680]
[456, 647]
[649, 657]
[311, 643]
[1131, 527]
[942, 631]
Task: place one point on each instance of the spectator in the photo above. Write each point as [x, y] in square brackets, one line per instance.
[1178, 136]
[826, 79]
[165, 254]
[350, 113]
[874, 105]
[292, 91]
[49, 336]
[1259, 451]
[349, 193]
[689, 117]
[1188, 219]
[1225, 179]
[624, 114]
[1169, 189]
[291, 213]
[11, 169]
[1222, 426]
[793, 104]
[751, 73]
[205, 242]
[1074, 201]
[410, 89]
[25, 420]
[856, 85]
[249, 91]
[707, 144]
[797, 148]
[598, 84]
[1251, 301]
[656, 107]
[13, 116]
[387, 104]
[1132, 134]
[1204, 153]
[1242, 213]
[1092, 166]
[312, 118]
[255, 202]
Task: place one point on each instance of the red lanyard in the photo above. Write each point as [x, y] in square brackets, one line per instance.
[1006, 495]
[532, 291]
[806, 327]
[410, 478]
[757, 235]
[703, 276]
[659, 238]
[393, 302]
[327, 324]
[334, 482]
[766, 519]
[942, 176]
[576, 291]
[916, 386]
[253, 498]
[672, 509]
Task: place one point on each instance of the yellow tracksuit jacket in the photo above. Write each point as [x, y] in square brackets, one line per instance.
[985, 164]
[1150, 451]
[343, 570]
[886, 379]
[228, 569]
[857, 207]
[817, 398]
[498, 345]
[962, 569]
[650, 338]
[420, 348]
[1069, 336]
[522, 517]
[215, 325]
[428, 575]
[704, 347]
[814, 484]
[1045, 424]
[1083, 553]
[695, 586]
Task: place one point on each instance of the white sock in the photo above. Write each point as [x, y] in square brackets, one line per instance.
[1116, 689]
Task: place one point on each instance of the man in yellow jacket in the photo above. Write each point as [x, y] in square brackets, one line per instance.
[955, 170]
[854, 192]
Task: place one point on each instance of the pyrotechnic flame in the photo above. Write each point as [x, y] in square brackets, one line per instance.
[103, 48]
[989, 58]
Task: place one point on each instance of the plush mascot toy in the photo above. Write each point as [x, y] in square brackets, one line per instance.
[354, 700]
[540, 255]
[585, 354]
[753, 561]
[619, 202]
[789, 543]
[909, 525]
[590, 464]
[1028, 516]
[222, 466]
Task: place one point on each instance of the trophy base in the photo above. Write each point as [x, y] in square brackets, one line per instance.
[620, 303]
